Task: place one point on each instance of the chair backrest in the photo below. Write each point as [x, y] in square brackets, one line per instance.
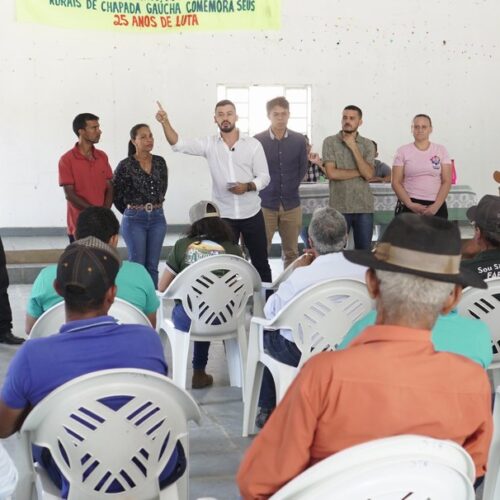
[322, 314]
[214, 292]
[128, 446]
[484, 305]
[8, 475]
[285, 274]
[52, 319]
[397, 467]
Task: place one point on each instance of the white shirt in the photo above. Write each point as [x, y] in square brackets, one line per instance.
[244, 162]
[323, 267]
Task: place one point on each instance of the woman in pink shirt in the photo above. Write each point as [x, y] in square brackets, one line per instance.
[421, 175]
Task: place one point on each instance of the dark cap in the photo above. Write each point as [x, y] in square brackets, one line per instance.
[486, 214]
[421, 245]
[88, 267]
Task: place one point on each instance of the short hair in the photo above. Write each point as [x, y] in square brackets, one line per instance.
[328, 230]
[490, 237]
[422, 115]
[352, 107]
[277, 101]
[410, 296]
[225, 102]
[100, 222]
[81, 120]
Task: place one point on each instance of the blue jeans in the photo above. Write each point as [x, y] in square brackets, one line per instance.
[304, 236]
[362, 228]
[183, 323]
[283, 350]
[144, 233]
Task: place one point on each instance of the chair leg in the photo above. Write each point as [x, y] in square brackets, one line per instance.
[253, 382]
[179, 343]
[234, 362]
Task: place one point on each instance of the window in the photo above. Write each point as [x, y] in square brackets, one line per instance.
[250, 102]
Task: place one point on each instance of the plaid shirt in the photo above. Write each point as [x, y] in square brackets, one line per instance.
[312, 174]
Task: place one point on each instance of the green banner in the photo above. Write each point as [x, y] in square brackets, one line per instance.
[153, 15]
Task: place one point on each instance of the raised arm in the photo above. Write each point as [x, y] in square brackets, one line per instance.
[365, 165]
[170, 134]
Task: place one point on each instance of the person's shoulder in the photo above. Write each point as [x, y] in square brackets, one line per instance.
[129, 267]
[99, 153]
[333, 138]
[159, 159]
[68, 155]
[262, 135]
[47, 272]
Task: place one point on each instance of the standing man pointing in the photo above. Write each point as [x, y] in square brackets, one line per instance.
[238, 168]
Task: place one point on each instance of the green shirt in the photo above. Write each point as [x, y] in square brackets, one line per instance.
[451, 333]
[186, 251]
[133, 283]
[350, 196]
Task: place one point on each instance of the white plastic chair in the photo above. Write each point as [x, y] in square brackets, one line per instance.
[485, 305]
[285, 274]
[491, 490]
[8, 475]
[394, 468]
[212, 289]
[52, 319]
[318, 318]
[135, 441]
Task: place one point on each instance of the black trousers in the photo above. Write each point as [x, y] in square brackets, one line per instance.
[442, 212]
[253, 230]
[5, 310]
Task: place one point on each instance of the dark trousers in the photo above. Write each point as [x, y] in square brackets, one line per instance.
[442, 212]
[183, 323]
[362, 229]
[283, 350]
[5, 310]
[253, 230]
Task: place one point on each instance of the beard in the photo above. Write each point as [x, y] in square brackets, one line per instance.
[226, 126]
[349, 130]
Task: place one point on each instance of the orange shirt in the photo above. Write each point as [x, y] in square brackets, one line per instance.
[390, 381]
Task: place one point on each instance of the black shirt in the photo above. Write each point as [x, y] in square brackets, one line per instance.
[486, 264]
[133, 186]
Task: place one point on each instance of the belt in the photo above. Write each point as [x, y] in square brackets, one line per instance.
[148, 207]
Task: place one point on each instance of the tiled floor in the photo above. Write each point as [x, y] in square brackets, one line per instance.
[216, 446]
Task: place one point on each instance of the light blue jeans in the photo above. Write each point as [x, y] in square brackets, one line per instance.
[144, 233]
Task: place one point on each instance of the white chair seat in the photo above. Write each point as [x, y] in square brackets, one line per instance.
[130, 445]
[8, 475]
[318, 318]
[394, 468]
[52, 319]
[214, 292]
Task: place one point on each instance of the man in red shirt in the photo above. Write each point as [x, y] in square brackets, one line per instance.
[390, 380]
[84, 171]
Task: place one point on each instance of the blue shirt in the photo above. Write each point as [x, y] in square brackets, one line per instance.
[287, 162]
[451, 333]
[83, 346]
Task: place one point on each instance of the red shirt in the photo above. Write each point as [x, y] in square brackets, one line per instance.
[89, 178]
[390, 381]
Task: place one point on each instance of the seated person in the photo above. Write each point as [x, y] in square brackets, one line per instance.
[89, 341]
[390, 381]
[328, 237]
[134, 284]
[486, 219]
[208, 235]
[382, 170]
[452, 333]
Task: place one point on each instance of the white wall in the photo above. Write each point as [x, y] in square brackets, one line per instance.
[393, 58]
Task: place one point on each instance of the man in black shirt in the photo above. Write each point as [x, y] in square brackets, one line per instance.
[486, 219]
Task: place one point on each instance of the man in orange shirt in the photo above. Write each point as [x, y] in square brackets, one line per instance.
[390, 381]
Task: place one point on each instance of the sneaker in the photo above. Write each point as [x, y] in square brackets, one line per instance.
[263, 416]
[9, 338]
[201, 379]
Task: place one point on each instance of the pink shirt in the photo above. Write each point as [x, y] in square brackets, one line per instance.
[422, 169]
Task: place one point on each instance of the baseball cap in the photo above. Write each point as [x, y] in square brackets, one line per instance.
[203, 209]
[486, 214]
[88, 268]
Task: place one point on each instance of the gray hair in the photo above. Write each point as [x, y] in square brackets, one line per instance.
[328, 230]
[411, 297]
